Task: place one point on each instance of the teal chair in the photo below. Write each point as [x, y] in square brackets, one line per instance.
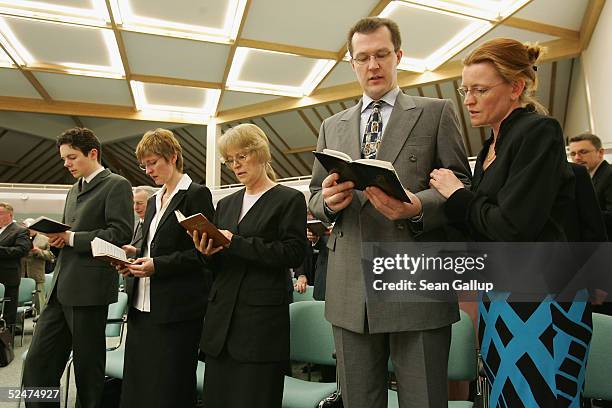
[307, 295]
[462, 359]
[597, 383]
[25, 303]
[48, 282]
[311, 342]
[200, 379]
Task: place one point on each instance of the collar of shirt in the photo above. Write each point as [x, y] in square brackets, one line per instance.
[592, 173]
[94, 174]
[183, 184]
[389, 98]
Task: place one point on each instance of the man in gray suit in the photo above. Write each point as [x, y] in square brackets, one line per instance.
[98, 205]
[416, 135]
[141, 196]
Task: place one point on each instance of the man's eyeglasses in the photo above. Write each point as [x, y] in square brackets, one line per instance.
[582, 152]
[477, 92]
[241, 158]
[380, 56]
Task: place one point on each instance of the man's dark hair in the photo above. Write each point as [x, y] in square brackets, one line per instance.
[369, 24]
[595, 141]
[82, 139]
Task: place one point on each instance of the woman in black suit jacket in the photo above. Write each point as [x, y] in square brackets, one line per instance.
[246, 331]
[167, 285]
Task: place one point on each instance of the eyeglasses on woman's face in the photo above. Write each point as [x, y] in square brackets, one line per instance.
[233, 161]
[477, 91]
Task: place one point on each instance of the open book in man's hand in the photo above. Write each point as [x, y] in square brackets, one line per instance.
[363, 172]
[198, 222]
[48, 225]
[106, 251]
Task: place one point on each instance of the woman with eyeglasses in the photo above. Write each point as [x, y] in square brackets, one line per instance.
[167, 285]
[534, 353]
[246, 331]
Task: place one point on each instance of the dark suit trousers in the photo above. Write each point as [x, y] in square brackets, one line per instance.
[60, 329]
[10, 307]
[420, 361]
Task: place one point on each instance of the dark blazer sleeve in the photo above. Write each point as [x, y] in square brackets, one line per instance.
[20, 247]
[199, 200]
[118, 218]
[529, 192]
[287, 251]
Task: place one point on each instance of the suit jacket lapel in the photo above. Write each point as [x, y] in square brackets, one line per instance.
[6, 231]
[348, 131]
[87, 187]
[403, 118]
[176, 200]
[233, 211]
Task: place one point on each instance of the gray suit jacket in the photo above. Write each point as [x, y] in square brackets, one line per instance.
[422, 134]
[102, 209]
[33, 265]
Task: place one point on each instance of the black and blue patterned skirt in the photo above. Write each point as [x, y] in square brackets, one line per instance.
[534, 354]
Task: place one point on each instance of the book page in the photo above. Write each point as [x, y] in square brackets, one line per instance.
[336, 153]
[100, 247]
[378, 163]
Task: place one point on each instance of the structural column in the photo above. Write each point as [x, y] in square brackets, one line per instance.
[213, 161]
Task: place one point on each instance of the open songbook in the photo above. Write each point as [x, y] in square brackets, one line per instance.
[48, 225]
[106, 251]
[316, 227]
[198, 222]
[363, 172]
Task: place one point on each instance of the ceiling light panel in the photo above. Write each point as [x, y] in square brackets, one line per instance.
[177, 57]
[333, 19]
[66, 48]
[78, 88]
[171, 98]
[427, 49]
[490, 10]
[206, 21]
[13, 83]
[5, 61]
[276, 73]
[86, 12]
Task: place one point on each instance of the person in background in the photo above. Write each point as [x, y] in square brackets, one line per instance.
[246, 330]
[33, 265]
[520, 191]
[141, 196]
[97, 206]
[14, 244]
[167, 285]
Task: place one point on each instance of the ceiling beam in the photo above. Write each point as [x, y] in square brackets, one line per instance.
[313, 130]
[122, 51]
[290, 49]
[230, 55]
[542, 28]
[305, 149]
[9, 164]
[176, 81]
[589, 21]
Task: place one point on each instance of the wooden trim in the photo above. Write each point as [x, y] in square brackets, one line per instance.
[230, 54]
[37, 85]
[9, 164]
[343, 105]
[542, 28]
[589, 21]
[420, 90]
[553, 84]
[77, 121]
[331, 112]
[569, 90]
[309, 124]
[439, 91]
[23, 157]
[122, 50]
[289, 49]
[316, 112]
[46, 153]
[153, 79]
[305, 149]
[466, 134]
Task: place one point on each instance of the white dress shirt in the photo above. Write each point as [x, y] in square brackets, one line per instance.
[385, 110]
[142, 300]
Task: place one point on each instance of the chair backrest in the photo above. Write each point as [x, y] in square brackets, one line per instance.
[1, 291]
[116, 311]
[26, 287]
[599, 363]
[462, 357]
[312, 340]
[48, 282]
[307, 295]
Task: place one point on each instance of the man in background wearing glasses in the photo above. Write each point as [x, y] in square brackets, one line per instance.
[586, 149]
[416, 135]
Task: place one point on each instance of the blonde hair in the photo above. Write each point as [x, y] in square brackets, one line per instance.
[514, 61]
[163, 143]
[250, 138]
